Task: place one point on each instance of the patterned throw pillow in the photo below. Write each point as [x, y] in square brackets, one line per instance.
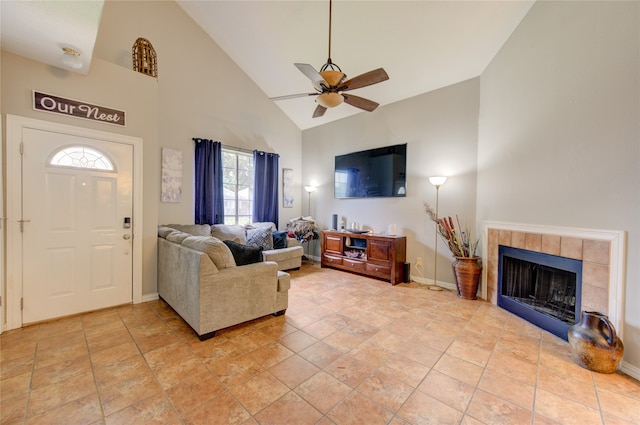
[260, 237]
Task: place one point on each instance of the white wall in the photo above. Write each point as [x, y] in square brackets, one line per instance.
[440, 129]
[201, 93]
[559, 137]
[106, 85]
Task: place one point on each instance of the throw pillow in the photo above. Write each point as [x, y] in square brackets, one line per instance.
[260, 237]
[163, 231]
[214, 248]
[234, 232]
[244, 254]
[177, 236]
[193, 229]
[279, 239]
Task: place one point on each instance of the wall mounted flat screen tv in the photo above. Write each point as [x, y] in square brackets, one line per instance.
[380, 172]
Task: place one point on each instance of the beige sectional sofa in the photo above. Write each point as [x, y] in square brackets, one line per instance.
[199, 279]
[289, 257]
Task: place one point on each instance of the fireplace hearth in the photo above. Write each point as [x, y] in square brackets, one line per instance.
[543, 289]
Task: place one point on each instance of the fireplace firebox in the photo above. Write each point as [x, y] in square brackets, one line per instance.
[541, 288]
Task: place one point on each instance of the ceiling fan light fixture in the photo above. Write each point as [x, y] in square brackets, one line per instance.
[330, 99]
[333, 78]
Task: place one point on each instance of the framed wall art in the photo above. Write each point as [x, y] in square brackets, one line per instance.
[171, 175]
[287, 188]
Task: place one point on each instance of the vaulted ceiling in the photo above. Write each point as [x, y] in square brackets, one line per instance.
[423, 45]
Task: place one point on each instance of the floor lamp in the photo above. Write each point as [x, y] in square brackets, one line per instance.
[437, 182]
[309, 189]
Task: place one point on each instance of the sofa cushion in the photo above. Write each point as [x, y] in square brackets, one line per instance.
[284, 281]
[260, 236]
[244, 254]
[259, 224]
[224, 232]
[193, 229]
[214, 248]
[279, 239]
[163, 231]
[177, 236]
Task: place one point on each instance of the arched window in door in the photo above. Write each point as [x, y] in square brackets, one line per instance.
[81, 157]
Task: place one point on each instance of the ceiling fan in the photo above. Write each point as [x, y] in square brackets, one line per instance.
[331, 84]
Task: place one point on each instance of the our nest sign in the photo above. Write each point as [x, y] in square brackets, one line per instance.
[60, 105]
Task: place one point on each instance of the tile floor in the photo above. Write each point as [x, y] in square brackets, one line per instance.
[350, 350]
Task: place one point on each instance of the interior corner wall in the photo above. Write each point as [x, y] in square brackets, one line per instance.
[440, 129]
[201, 93]
[559, 136]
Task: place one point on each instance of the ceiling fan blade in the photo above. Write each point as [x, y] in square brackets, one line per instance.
[320, 110]
[312, 74]
[293, 96]
[368, 78]
[360, 102]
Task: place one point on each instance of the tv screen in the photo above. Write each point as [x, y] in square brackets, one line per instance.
[379, 172]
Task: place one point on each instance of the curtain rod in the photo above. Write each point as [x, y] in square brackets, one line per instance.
[233, 148]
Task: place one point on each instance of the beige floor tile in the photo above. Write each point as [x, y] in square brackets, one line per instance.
[297, 341]
[565, 411]
[16, 366]
[320, 354]
[128, 392]
[619, 383]
[114, 372]
[385, 390]
[459, 369]
[85, 410]
[490, 409]
[450, 391]
[620, 405]
[514, 368]
[236, 370]
[114, 354]
[294, 370]
[270, 354]
[569, 388]
[381, 354]
[44, 399]
[13, 410]
[249, 341]
[406, 370]
[289, 409]
[153, 410]
[357, 409]
[193, 391]
[228, 411]
[259, 391]
[506, 387]
[15, 386]
[323, 391]
[421, 408]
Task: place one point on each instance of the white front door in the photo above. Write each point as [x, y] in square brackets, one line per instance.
[77, 202]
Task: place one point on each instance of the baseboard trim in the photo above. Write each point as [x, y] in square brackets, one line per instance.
[150, 297]
[429, 282]
[630, 370]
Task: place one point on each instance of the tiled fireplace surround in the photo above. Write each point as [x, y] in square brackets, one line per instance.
[600, 252]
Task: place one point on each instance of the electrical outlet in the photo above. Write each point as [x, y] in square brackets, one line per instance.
[418, 262]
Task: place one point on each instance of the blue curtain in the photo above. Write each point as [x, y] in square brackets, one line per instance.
[265, 189]
[209, 199]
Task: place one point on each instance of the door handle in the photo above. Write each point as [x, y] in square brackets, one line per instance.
[126, 237]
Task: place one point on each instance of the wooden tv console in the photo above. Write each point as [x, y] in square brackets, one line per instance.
[377, 256]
